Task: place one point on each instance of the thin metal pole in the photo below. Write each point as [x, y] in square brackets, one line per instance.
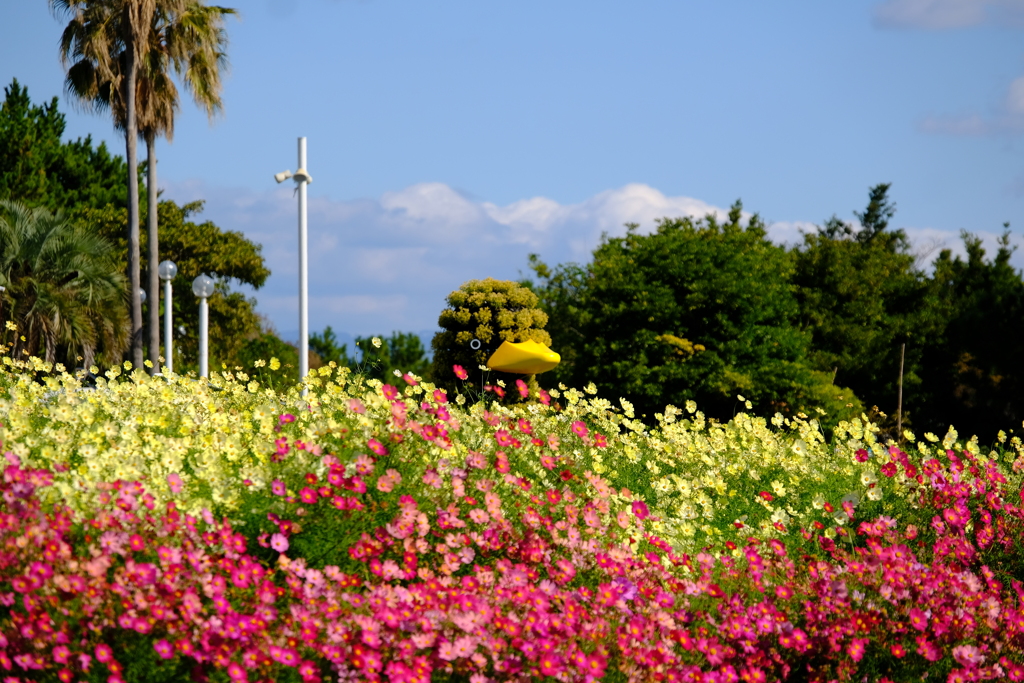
[204, 328]
[899, 399]
[303, 274]
[168, 338]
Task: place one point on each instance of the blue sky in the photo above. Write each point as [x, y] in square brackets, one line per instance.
[449, 139]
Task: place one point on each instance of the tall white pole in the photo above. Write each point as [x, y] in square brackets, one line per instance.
[204, 329]
[168, 340]
[303, 274]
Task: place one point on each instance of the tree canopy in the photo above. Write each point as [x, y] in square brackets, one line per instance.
[38, 168]
[697, 310]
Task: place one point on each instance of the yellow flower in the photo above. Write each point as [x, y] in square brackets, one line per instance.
[275, 364]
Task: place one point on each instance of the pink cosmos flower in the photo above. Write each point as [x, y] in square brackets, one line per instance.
[308, 495]
[277, 487]
[551, 664]
[377, 447]
[103, 653]
[479, 516]
[857, 648]
[390, 392]
[163, 648]
[279, 542]
[174, 481]
[356, 406]
[286, 418]
[460, 372]
[409, 379]
[524, 390]
[640, 509]
[579, 429]
[236, 672]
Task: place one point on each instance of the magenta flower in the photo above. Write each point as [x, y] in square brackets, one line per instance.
[551, 664]
[524, 390]
[640, 509]
[307, 495]
[377, 447]
[163, 648]
[390, 392]
[286, 418]
[857, 648]
[277, 487]
[103, 653]
[579, 429]
[460, 372]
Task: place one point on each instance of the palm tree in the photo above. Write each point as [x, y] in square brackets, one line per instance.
[101, 38]
[62, 285]
[186, 36]
[192, 43]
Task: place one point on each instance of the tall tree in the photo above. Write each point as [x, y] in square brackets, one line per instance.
[975, 377]
[193, 42]
[861, 297]
[102, 39]
[38, 168]
[188, 37]
[699, 309]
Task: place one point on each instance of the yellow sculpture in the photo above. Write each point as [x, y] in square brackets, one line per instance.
[523, 358]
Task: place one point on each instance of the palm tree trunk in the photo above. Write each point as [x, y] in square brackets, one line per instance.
[131, 134]
[51, 346]
[154, 253]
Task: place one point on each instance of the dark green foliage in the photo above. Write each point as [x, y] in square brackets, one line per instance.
[263, 347]
[491, 311]
[325, 345]
[700, 310]
[861, 296]
[63, 288]
[402, 351]
[197, 248]
[39, 169]
[975, 377]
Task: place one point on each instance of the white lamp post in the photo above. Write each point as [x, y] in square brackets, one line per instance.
[202, 287]
[302, 179]
[167, 271]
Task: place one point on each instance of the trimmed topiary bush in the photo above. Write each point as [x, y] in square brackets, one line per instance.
[491, 311]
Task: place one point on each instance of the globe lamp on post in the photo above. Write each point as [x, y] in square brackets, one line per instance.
[203, 287]
[167, 271]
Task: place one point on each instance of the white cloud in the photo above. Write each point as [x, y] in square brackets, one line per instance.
[1015, 97]
[947, 14]
[1008, 119]
[383, 265]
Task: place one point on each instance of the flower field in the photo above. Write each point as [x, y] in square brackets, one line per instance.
[168, 529]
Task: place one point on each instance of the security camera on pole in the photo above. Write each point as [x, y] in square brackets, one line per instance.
[302, 179]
